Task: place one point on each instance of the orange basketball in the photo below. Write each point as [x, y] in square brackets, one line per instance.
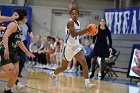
[94, 30]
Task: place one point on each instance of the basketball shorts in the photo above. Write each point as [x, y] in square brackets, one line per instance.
[68, 52]
[13, 58]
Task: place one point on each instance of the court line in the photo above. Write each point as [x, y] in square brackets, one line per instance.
[31, 87]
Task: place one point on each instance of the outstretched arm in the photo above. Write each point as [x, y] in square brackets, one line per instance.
[24, 49]
[5, 18]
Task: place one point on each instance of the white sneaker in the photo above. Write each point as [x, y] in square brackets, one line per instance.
[52, 76]
[89, 85]
[19, 86]
[54, 79]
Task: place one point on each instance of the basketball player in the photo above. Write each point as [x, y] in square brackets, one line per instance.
[72, 48]
[19, 86]
[9, 40]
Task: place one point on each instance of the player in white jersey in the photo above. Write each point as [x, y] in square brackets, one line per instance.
[72, 48]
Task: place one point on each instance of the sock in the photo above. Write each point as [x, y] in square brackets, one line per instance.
[7, 89]
[87, 81]
[17, 81]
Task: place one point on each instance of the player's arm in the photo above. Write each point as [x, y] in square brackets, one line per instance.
[5, 18]
[11, 28]
[24, 49]
[70, 26]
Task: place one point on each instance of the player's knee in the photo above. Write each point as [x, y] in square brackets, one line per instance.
[11, 72]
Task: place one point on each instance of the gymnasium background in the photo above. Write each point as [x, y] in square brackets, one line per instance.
[47, 15]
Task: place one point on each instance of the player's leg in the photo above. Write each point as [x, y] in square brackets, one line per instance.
[19, 86]
[13, 80]
[15, 60]
[10, 73]
[82, 60]
[64, 64]
[60, 69]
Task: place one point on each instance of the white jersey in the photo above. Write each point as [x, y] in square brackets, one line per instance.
[72, 40]
[71, 45]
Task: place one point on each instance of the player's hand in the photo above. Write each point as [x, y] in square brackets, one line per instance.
[29, 54]
[31, 51]
[89, 28]
[6, 54]
[15, 16]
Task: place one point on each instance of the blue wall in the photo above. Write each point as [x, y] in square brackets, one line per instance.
[8, 11]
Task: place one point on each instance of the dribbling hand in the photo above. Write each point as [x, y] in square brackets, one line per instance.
[89, 28]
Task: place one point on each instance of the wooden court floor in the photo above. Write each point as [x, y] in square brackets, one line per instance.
[38, 81]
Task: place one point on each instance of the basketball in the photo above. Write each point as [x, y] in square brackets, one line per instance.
[94, 30]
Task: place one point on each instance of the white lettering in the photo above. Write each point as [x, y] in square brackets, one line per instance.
[125, 22]
[133, 26]
[117, 23]
[109, 19]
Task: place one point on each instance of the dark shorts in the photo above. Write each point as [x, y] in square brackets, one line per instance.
[13, 58]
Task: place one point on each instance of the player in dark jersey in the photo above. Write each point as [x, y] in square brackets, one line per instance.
[3, 19]
[9, 40]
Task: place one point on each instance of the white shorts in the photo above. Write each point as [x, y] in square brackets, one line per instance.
[68, 52]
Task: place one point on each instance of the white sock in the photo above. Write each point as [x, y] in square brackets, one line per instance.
[7, 88]
[87, 81]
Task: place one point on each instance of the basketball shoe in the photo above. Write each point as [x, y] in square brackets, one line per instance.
[89, 85]
[19, 86]
[54, 78]
[7, 91]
